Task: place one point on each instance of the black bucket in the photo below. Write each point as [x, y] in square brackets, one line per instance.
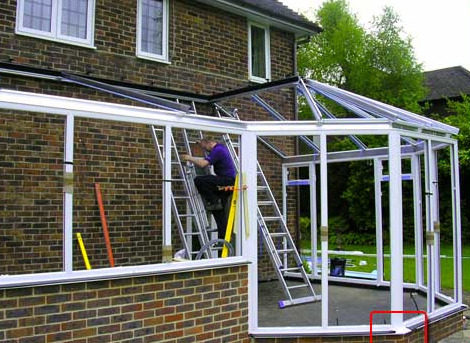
[337, 266]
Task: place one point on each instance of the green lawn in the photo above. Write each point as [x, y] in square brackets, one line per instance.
[447, 272]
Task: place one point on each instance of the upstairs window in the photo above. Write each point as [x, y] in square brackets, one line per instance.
[259, 59]
[68, 21]
[152, 29]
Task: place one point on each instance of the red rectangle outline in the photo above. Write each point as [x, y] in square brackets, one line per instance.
[418, 312]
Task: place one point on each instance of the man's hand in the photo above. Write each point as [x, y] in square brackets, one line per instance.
[200, 162]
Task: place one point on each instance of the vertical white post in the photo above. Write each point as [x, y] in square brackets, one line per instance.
[378, 219]
[396, 228]
[429, 229]
[167, 250]
[67, 221]
[324, 230]
[457, 239]
[418, 218]
[435, 215]
[313, 216]
[248, 165]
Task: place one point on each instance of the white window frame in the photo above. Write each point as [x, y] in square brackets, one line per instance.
[77, 108]
[56, 18]
[147, 55]
[267, 54]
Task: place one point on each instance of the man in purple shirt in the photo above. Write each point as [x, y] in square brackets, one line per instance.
[208, 185]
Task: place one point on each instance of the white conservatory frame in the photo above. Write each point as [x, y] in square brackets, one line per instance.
[375, 119]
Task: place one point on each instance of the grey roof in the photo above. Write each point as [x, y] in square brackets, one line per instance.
[272, 11]
[279, 10]
[447, 83]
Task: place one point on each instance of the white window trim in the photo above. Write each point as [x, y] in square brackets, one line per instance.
[146, 55]
[55, 22]
[267, 53]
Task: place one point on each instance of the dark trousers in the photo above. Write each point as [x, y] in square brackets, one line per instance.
[207, 185]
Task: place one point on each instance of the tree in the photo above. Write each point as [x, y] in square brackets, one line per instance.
[379, 64]
[459, 116]
[331, 56]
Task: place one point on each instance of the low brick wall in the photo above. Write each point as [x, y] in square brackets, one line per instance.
[197, 306]
[437, 330]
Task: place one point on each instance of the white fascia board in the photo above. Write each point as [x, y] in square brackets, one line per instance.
[251, 14]
[36, 279]
[328, 126]
[23, 101]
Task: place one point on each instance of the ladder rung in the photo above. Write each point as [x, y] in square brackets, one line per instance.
[283, 251]
[278, 234]
[298, 286]
[262, 188]
[265, 202]
[180, 197]
[194, 233]
[291, 269]
[186, 215]
[271, 219]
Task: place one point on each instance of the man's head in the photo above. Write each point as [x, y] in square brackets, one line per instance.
[207, 144]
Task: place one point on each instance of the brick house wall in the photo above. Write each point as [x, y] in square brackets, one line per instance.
[208, 54]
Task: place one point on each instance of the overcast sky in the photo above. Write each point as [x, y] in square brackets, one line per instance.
[440, 30]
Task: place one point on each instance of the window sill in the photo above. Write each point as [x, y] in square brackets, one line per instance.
[40, 279]
[57, 40]
[258, 79]
[154, 59]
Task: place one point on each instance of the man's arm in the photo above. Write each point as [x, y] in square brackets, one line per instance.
[200, 162]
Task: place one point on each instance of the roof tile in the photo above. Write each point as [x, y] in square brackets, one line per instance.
[447, 83]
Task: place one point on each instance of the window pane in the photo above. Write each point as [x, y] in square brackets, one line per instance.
[152, 26]
[74, 18]
[37, 14]
[258, 52]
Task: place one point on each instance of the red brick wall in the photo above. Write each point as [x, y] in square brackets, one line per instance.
[199, 306]
[31, 193]
[208, 53]
[208, 48]
[120, 157]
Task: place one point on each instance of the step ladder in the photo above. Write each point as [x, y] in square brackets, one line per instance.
[192, 223]
[276, 236]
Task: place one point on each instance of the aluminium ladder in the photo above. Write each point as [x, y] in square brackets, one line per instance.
[276, 236]
[184, 195]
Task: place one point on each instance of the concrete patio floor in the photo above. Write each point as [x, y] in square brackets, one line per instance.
[348, 305]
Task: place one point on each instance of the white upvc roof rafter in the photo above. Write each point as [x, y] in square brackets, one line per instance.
[380, 109]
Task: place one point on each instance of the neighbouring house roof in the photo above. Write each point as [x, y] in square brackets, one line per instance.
[447, 83]
[272, 12]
